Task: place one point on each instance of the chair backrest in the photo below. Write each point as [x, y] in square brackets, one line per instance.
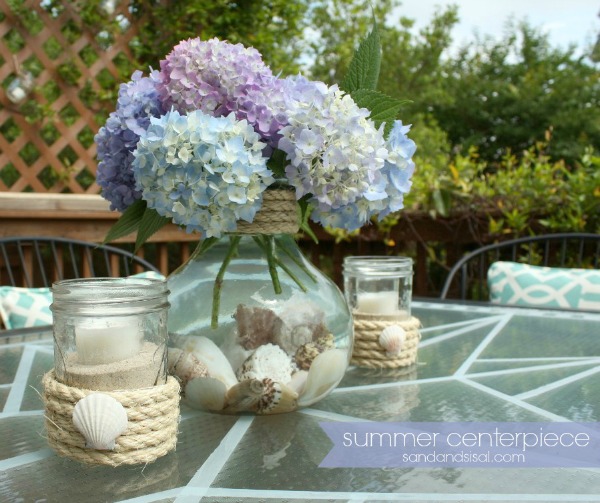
[30, 261]
[468, 277]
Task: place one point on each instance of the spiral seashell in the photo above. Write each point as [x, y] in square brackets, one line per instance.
[101, 419]
[277, 398]
[185, 366]
[392, 339]
[268, 361]
[308, 352]
[244, 396]
[298, 323]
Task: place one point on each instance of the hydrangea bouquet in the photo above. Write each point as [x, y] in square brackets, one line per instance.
[200, 141]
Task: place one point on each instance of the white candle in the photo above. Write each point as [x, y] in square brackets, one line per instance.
[108, 340]
[377, 302]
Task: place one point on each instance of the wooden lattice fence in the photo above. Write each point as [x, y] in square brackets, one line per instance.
[47, 141]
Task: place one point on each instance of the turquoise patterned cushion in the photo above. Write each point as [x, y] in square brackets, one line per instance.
[527, 285]
[25, 307]
[30, 307]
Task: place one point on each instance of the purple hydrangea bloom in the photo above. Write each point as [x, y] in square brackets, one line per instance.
[138, 101]
[219, 78]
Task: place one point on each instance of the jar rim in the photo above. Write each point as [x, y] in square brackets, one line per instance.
[378, 265]
[106, 291]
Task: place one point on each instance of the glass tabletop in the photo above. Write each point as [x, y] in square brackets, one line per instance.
[475, 363]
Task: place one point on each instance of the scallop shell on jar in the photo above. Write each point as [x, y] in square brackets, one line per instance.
[101, 419]
[392, 340]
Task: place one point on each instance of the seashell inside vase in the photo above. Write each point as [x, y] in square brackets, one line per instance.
[270, 338]
[101, 419]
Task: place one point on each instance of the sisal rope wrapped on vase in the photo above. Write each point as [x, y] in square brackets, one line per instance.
[278, 215]
[152, 423]
[384, 341]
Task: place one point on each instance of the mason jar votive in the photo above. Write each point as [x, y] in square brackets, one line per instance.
[378, 291]
[110, 333]
[379, 285]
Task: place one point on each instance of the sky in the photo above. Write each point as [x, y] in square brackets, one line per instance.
[566, 21]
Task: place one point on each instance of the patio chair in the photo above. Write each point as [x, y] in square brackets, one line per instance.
[29, 265]
[30, 261]
[468, 278]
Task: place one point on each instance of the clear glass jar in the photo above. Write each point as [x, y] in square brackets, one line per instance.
[110, 333]
[379, 285]
[274, 336]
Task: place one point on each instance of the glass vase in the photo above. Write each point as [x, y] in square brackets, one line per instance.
[259, 328]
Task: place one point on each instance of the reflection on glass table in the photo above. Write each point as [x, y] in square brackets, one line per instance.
[475, 363]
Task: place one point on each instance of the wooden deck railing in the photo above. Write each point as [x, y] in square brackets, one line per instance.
[87, 217]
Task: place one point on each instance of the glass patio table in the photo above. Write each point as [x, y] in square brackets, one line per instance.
[476, 363]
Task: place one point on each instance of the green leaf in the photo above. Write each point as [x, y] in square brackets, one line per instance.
[383, 108]
[363, 71]
[439, 202]
[151, 223]
[128, 222]
[277, 163]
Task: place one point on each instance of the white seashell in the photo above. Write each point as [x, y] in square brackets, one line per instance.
[268, 361]
[206, 393]
[392, 339]
[299, 322]
[298, 381]
[277, 398]
[325, 373]
[214, 360]
[185, 366]
[244, 396]
[101, 419]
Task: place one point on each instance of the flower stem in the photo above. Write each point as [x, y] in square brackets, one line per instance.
[289, 272]
[296, 261]
[267, 244]
[216, 301]
[274, 262]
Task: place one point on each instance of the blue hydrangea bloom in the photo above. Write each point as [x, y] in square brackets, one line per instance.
[203, 172]
[398, 168]
[138, 101]
[335, 153]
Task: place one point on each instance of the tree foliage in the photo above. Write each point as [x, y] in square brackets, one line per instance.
[506, 94]
[274, 28]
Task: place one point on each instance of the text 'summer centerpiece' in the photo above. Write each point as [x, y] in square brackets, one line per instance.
[217, 144]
